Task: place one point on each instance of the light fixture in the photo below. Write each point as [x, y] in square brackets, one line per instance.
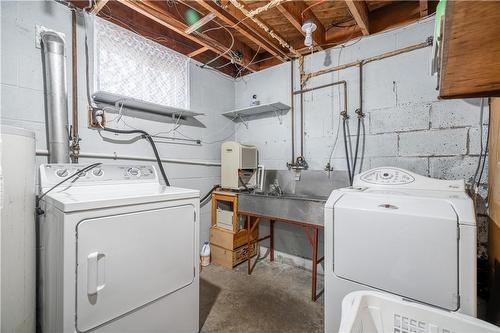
[308, 27]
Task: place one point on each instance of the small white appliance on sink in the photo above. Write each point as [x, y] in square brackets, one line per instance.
[401, 233]
[118, 251]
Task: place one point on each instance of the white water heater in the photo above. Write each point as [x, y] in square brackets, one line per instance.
[239, 166]
[17, 230]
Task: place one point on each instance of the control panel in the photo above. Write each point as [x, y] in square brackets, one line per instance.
[392, 178]
[387, 176]
[51, 174]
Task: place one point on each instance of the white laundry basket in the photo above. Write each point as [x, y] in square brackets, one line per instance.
[368, 311]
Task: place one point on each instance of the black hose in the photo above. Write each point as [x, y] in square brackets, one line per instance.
[480, 143]
[76, 174]
[151, 142]
[347, 152]
[206, 196]
[356, 149]
[486, 148]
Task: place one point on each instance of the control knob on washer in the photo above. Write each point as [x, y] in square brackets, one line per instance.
[134, 172]
[62, 172]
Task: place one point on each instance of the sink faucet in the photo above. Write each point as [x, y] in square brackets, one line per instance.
[275, 189]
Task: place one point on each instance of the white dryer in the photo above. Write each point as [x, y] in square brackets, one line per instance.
[119, 252]
[401, 233]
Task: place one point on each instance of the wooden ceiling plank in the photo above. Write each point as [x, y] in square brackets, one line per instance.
[338, 36]
[197, 52]
[243, 28]
[359, 11]
[247, 22]
[98, 6]
[424, 8]
[177, 26]
[394, 15]
[292, 11]
[390, 16]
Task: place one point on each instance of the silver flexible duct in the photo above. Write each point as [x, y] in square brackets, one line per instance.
[56, 97]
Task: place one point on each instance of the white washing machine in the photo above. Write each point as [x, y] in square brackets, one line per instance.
[401, 233]
[119, 252]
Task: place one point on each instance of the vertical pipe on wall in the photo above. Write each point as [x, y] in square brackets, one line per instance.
[75, 138]
[56, 97]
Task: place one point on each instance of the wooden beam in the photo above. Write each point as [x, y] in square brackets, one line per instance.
[394, 15]
[196, 52]
[293, 13]
[359, 12]
[98, 6]
[391, 16]
[259, 24]
[424, 8]
[236, 19]
[157, 14]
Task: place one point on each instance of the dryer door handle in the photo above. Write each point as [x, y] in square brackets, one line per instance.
[95, 276]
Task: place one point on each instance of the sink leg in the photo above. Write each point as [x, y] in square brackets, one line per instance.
[314, 263]
[248, 245]
[271, 240]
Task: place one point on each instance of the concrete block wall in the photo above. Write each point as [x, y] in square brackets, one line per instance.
[22, 100]
[405, 125]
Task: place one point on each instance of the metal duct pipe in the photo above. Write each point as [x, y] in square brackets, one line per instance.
[56, 97]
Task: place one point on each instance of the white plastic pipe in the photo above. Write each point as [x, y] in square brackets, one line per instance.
[115, 156]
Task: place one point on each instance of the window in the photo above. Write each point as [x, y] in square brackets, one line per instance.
[131, 65]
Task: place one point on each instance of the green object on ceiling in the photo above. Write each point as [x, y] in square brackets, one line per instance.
[191, 17]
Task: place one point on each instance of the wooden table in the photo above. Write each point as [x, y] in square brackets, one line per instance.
[312, 233]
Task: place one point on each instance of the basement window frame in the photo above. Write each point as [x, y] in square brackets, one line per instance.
[95, 68]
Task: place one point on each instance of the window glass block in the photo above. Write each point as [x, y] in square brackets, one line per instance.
[131, 65]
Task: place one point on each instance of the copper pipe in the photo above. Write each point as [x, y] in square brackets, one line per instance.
[304, 77]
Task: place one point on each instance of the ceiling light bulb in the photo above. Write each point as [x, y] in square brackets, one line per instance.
[308, 27]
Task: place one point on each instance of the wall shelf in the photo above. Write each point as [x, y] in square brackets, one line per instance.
[145, 110]
[277, 108]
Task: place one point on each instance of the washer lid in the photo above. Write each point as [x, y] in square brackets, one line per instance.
[69, 199]
[407, 246]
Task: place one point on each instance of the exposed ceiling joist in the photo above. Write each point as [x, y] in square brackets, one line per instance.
[274, 30]
[196, 52]
[359, 11]
[424, 8]
[266, 28]
[293, 13]
[394, 15]
[98, 6]
[235, 19]
[153, 12]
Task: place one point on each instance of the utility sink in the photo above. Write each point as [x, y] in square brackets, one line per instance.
[286, 198]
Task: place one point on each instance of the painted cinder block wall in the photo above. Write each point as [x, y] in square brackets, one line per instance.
[406, 125]
[22, 102]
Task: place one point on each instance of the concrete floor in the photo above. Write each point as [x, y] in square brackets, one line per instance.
[275, 298]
